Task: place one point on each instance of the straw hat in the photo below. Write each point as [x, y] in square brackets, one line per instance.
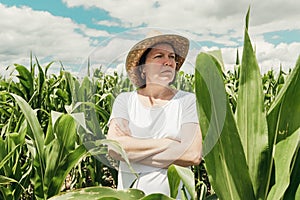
[179, 43]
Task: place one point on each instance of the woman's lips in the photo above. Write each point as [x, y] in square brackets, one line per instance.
[167, 71]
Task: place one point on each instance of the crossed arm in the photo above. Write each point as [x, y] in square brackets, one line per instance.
[158, 152]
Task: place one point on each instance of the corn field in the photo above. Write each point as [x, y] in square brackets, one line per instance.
[53, 132]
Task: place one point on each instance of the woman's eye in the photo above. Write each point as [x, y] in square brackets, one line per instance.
[158, 56]
[172, 57]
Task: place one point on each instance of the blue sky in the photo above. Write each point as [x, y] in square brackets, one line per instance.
[71, 31]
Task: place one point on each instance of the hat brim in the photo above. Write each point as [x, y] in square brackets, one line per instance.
[179, 43]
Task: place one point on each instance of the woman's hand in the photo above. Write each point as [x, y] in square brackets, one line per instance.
[159, 152]
[136, 149]
[187, 152]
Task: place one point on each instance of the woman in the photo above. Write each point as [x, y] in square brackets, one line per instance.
[156, 125]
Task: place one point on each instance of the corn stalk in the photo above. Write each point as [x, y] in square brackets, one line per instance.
[254, 153]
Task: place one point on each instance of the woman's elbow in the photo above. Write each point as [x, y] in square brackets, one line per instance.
[197, 159]
[189, 160]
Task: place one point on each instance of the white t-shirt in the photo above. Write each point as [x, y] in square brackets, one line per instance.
[146, 122]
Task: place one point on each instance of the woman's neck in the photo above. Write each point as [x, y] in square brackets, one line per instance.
[158, 91]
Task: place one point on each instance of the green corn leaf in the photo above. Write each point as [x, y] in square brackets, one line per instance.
[8, 156]
[89, 109]
[177, 174]
[86, 90]
[284, 119]
[156, 197]
[62, 153]
[26, 80]
[92, 147]
[52, 152]
[251, 118]
[297, 196]
[294, 187]
[217, 54]
[225, 160]
[37, 140]
[284, 152]
[41, 78]
[11, 87]
[6, 180]
[37, 133]
[47, 67]
[100, 193]
[65, 130]
[73, 86]
[63, 169]
[174, 181]
[283, 115]
[49, 132]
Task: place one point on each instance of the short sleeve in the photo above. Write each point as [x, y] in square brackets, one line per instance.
[120, 107]
[190, 114]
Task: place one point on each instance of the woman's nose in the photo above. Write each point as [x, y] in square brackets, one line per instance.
[169, 62]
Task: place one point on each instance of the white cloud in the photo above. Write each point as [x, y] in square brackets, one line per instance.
[202, 17]
[222, 22]
[108, 23]
[48, 37]
[93, 32]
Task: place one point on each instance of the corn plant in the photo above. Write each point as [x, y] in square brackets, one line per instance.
[251, 153]
[15, 168]
[53, 155]
[108, 193]
[53, 132]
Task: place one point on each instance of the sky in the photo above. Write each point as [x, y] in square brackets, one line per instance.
[71, 32]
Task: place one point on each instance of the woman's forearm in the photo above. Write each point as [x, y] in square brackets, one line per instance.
[139, 149]
[185, 153]
[159, 152]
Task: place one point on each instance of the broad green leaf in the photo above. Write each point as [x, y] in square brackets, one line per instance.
[183, 195]
[294, 187]
[217, 54]
[49, 132]
[211, 197]
[86, 90]
[100, 192]
[251, 118]
[40, 81]
[156, 197]
[283, 115]
[297, 196]
[103, 113]
[11, 87]
[65, 130]
[92, 147]
[226, 162]
[63, 169]
[284, 152]
[174, 181]
[35, 133]
[6, 180]
[55, 116]
[73, 86]
[47, 67]
[177, 174]
[52, 152]
[8, 156]
[213, 99]
[284, 119]
[26, 80]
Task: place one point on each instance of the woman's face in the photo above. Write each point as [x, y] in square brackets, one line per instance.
[160, 64]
